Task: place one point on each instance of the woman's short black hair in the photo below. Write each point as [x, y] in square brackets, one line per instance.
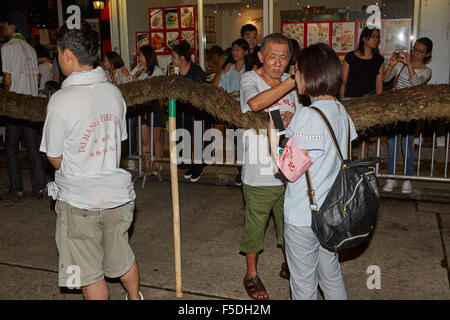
[82, 42]
[183, 50]
[321, 70]
[429, 44]
[115, 59]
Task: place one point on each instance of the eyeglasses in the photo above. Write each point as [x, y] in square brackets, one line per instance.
[419, 51]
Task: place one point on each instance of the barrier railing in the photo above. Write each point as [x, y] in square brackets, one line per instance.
[431, 143]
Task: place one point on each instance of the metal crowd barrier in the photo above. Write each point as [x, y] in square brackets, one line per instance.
[431, 153]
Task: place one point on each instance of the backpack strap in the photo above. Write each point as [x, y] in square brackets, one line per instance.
[310, 191]
[330, 131]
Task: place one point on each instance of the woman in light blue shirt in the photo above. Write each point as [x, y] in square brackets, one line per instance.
[230, 77]
[318, 75]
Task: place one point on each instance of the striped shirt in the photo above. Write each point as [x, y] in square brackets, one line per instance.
[422, 76]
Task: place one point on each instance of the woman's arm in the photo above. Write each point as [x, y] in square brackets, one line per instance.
[345, 70]
[379, 79]
[124, 72]
[388, 75]
[219, 74]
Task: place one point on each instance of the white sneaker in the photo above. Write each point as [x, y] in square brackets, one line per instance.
[406, 187]
[141, 297]
[390, 185]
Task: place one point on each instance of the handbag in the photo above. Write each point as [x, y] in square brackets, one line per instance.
[349, 211]
[293, 162]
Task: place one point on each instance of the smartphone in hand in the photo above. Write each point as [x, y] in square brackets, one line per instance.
[275, 115]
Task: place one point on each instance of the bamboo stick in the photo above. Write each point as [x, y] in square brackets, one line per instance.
[175, 196]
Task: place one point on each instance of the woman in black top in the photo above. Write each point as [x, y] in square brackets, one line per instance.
[181, 59]
[363, 69]
[363, 72]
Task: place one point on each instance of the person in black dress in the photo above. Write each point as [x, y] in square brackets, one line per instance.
[363, 71]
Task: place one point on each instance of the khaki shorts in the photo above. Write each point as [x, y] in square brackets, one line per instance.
[92, 244]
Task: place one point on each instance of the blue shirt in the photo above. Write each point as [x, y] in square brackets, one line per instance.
[310, 134]
[231, 81]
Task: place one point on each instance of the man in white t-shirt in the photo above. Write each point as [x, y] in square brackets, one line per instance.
[44, 67]
[264, 88]
[19, 64]
[82, 137]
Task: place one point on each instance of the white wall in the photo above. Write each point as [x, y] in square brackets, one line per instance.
[435, 24]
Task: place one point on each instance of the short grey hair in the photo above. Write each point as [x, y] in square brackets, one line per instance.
[276, 38]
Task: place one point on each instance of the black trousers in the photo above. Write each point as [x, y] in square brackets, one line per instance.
[14, 132]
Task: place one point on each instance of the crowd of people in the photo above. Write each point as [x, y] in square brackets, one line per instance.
[86, 124]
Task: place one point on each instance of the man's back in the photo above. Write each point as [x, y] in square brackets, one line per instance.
[19, 59]
[87, 121]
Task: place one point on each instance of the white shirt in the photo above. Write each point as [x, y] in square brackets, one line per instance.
[20, 60]
[421, 76]
[86, 124]
[45, 69]
[156, 72]
[257, 169]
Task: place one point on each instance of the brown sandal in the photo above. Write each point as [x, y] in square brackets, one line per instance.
[284, 272]
[255, 288]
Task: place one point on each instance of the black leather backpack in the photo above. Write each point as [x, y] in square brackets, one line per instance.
[349, 212]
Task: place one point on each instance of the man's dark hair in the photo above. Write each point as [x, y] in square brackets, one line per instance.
[276, 38]
[248, 27]
[41, 51]
[183, 50]
[82, 42]
[216, 50]
[321, 70]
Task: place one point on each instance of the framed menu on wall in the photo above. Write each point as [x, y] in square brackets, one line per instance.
[343, 36]
[170, 25]
[318, 32]
[294, 30]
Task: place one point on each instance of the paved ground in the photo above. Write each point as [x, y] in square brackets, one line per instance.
[410, 246]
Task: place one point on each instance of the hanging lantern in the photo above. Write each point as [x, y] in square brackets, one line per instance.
[98, 4]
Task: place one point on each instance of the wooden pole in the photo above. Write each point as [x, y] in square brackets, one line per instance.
[175, 196]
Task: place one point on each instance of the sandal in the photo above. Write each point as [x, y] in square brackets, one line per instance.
[284, 272]
[255, 288]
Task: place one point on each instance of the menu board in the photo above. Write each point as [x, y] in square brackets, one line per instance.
[396, 35]
[295, 30]
[170, 25]
[318, 32]
[343, 36]
[142, 39]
